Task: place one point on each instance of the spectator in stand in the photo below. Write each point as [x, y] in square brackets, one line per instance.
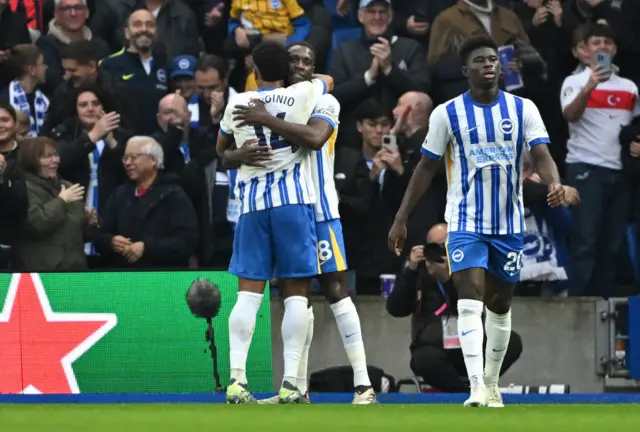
[211, 17]
[212, 85]
[91, 145]
[80, 64]
[34, 16]
[424, 289]
[13, 31]
[149, 221]
[597, 103]
[142, 70]
[23, 126]
[379, 65]
[385, 175]
[13, 192]
[410, 134]
[68, 25]
[52, 236]
[176, 29]
[23, 92]
[183, 79]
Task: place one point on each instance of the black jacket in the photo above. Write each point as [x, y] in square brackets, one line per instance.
[177, 29]
[62, 105]
[52, 45]
[350, 62]
[13, 199]
[163, 219]
[416, 293]
[74, 147]
[146, 90]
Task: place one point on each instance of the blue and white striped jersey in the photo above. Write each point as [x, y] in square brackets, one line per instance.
[287, 176]
[322, 162]
[482, 146]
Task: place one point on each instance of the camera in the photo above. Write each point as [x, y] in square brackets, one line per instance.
[435, 252]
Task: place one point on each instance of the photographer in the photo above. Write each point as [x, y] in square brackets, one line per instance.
[425, 290]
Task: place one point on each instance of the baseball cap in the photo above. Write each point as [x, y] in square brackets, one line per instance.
[184, 65]
[367, 3]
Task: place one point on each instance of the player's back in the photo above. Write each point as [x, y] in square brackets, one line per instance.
[323, 161]
[483, 160]
[285, 179]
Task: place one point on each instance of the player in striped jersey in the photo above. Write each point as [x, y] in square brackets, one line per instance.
[320, 134]
[482, 135]
[275, 234]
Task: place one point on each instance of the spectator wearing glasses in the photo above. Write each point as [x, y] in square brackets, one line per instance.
[149, 221]
[424, 290]
[68, 24]
[52, 236]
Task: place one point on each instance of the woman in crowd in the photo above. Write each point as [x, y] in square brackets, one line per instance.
[52, 236]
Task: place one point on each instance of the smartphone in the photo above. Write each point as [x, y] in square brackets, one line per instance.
[604, 59]
[390, 142]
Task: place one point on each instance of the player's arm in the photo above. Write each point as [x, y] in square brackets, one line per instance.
[432, 151]
[313, 135]
[225, 133]
[328, 82]
[224, 142]
[537, 138]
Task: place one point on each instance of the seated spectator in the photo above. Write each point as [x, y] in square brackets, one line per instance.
[177, 29]
[141, 69]
[91, 145]
[23, 126]
[13, 31]
[68, 25]
[149, 221]
[80, 64]
[52, 236]
[13, 193]
[24, 93]
[424, 289]
[380, 65]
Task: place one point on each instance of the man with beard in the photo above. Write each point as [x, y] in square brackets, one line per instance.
[142, 71]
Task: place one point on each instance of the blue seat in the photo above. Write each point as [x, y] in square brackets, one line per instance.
[340, 35]
[632, 249]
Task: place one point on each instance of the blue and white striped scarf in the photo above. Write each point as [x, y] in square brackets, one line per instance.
[19, 101]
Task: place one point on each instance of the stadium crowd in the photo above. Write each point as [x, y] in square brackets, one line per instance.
[80, 78]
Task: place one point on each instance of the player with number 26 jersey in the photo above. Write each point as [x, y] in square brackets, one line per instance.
[275, 235]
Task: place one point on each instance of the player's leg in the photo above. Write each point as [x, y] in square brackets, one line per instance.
[295, 262]
[251, 262]
[468, 256]
[505, 257]
[333, 282]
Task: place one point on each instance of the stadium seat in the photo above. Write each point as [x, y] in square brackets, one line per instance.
[632, 248]
[340, 35]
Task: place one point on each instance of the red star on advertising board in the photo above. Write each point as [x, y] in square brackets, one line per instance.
[38, 346]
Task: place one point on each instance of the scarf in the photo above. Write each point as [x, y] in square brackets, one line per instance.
[92, 198]
[540, 254]
[18, 100]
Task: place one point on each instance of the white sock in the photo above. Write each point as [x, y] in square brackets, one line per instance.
[498, 328]
[471, 334]
[304, 361]
[294, 335]
[348, 323]
[242, 323]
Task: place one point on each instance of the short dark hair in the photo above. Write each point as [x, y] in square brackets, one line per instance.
[212, 61]
[370, 109]
[6, 106]
[272, 61]
[473, 44]
[598, 30]
[22, 56]
[30, 152]
[303, 44]
[82, 51]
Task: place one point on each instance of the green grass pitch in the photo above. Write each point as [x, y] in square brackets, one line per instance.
[321, 418]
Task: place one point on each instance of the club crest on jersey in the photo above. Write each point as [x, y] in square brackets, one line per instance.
[457, 255]
[162, 77]
[275, 4]
[506, 126]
